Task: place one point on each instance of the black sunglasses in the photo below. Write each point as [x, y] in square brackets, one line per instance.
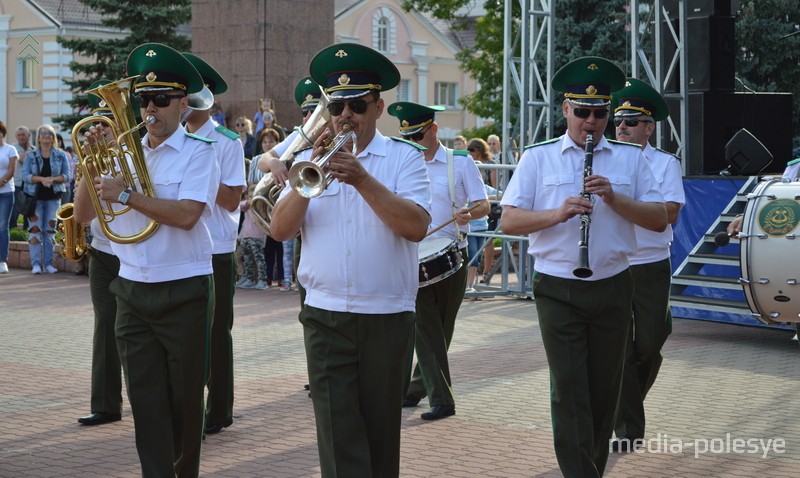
[630, 122]
[306, 111]
[584, 113]
[356, 106]
[418, 135]
[161, 100]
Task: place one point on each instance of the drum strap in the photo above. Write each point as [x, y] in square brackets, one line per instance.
[451, 181]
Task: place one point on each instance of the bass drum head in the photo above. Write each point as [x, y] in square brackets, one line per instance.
[770, 252]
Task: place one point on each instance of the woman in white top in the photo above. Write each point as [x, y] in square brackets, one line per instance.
[8, 160]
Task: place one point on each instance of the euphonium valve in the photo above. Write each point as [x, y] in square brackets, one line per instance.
[309, 178]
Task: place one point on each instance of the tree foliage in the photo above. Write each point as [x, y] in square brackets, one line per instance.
[768, 60]
[140, 22]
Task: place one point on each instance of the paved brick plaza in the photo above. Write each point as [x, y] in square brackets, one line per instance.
[720, 384]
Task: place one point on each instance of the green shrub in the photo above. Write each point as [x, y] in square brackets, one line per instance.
[18, 234]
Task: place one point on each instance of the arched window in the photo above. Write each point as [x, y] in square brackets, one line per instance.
[384, 33]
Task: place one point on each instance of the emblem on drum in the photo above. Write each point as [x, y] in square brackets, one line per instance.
[779, 217]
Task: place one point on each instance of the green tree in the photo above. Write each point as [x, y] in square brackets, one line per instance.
[141, 22]
[583, 28]
[767, 59]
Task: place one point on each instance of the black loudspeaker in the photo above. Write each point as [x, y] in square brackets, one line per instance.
[711, 50]
[715, 117]
[702, 8]
[746, 154]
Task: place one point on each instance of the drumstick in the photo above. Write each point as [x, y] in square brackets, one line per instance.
[475, 206]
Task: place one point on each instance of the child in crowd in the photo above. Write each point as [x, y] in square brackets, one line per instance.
[251, 243]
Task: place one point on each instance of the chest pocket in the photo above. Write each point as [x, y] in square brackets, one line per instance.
[622, 184]
[566, 182]
[440, 188]
[167, 185]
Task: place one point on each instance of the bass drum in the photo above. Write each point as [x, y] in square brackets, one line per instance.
[439, 258]
[770, 252]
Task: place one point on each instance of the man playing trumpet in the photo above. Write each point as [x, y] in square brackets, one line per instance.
[359, 267]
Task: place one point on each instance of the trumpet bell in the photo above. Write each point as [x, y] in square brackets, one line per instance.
[309, 178]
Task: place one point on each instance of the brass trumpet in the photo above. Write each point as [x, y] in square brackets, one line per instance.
[309, 178]
[126, 158]
[71, 235]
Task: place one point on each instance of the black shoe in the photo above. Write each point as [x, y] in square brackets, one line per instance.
[98, 418]
[410, 401]
[216, 428]
[438, 412]
[625, 444]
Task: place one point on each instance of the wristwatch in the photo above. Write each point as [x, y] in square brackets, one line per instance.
[124, 196]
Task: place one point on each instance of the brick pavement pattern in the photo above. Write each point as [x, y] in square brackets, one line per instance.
[720, 383]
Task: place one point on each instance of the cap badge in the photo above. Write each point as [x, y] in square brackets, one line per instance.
[102, 103]
[151, 77]
[626, 104]
[593, 66]
[344, 79]
[340, 54]
[309, 97]
[591, 90]
[307, 82]
[150, 53]
[627, 83]
[404, 123]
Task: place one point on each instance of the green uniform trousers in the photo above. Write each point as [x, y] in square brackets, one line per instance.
[162, 337]
[652, 324]
[437, 308]
[355, 369]
[584, 327]
[219, 406]
[106, 369]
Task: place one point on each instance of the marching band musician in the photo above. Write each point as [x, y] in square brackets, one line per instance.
[165, 288]
[584, 323]
[106, 397]
[358, 320]
[638, 107]
[455, 181]
[224, 227]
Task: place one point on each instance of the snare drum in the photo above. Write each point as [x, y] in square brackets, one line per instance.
[439, 258]
[770, 252]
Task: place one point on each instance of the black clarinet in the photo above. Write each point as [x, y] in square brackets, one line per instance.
[583, 271]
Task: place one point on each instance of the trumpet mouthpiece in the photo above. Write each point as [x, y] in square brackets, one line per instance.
[150, 119]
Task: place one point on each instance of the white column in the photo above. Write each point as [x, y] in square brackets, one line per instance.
[419, 54]
[5, 80]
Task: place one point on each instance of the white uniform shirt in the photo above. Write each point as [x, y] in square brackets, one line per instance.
[224, 225]
[549, 173]
[468, 188]
[351, 260]
[654, 246]
[181, 168]
[8, 156]
[99, 239]
[281, 147]
[792, 171]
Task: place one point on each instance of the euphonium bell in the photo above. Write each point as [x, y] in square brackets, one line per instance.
[309, 178]
[71, 235]
[125, 158]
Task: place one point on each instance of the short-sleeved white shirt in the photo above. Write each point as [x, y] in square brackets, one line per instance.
[8, 156]
[654, 246]
[224, 224]
[281, 147]
[351, 260]
[550, 172]
[468, 188]
[181, 168]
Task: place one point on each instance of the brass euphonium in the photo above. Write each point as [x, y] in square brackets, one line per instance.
[71, 235]
[267, 192]
[125, 158]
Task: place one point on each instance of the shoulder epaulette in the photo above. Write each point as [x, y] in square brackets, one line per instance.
[201, 138]
[794, 161]
[460, 152]
[671, 154]
[226, 132]
[542, 143]
[624, 143]
[402, 140]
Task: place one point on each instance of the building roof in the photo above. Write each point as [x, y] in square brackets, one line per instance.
[69, 12]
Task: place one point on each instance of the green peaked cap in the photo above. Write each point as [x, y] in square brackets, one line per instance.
[350, 70]
[413, 116]
[589, 80]
[639, 98]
